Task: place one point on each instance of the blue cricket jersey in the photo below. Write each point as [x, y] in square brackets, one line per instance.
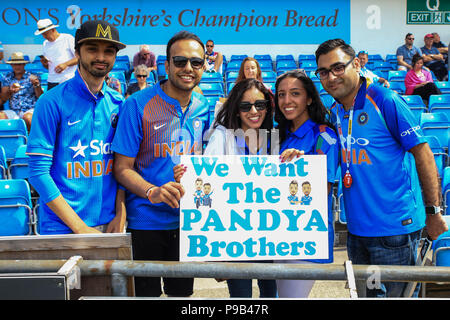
[75, 128]
[385, 197]
[315, 139]
[153, 129]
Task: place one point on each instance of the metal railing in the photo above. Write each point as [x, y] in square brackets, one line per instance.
[120, 269]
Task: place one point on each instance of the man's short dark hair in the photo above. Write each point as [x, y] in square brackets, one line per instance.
[182, 35]
[408, 34]
[332, 44]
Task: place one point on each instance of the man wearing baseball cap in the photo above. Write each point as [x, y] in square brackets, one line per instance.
[69, 147]
[433, 59]
[59, 53]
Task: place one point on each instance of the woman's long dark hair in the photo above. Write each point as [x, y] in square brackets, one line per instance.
[228, 116]
[316, 110]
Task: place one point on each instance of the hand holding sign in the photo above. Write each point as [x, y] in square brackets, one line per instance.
[169, 193]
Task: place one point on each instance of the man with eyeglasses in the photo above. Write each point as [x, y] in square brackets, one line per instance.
[406, 52]
[214, 59]
[157, 125]
[382, 186]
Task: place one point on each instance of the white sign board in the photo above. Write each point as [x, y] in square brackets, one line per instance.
[253, 208]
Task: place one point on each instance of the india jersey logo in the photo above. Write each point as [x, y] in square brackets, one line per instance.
[363, 118]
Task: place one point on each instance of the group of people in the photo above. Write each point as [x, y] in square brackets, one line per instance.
[103, 163]
[419, 63]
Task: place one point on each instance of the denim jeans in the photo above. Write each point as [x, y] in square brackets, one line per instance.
[388, 250]
[242, 288]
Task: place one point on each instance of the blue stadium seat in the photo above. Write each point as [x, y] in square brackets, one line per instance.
[446, 190]
[285, 65]
[233, 65]
[440, 156]
[375, 58]
[436, 124]
[212, 100]
[13, 133]
[263, 57]
[4, 68]
[398, 87]
[392, 59]
[230, 86]
[265, 65]
[35, 68]
[270, 85]
[212, 89]
[444, 86]
[441, 248]
[44, 77]
[439, 103]
[396, 75]
[231, 76]
[119, 75]
[308, 66]
[382, 66]
[121, 66]
[3, 164]
[237, 57]
[16, 215]
[284, 57]
[306, 57]
[18, 168]
[212, 77]
[269, 76]
[416, 105]
[161, 69]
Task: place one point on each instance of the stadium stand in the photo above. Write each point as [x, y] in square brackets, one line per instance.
[18, 168]
[446, 190]
[439, 103]
[441, 248]
[13, 133]
[3, 164]
[436, 124]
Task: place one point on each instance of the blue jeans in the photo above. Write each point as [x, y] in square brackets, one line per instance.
[242, 288]
[388, 250]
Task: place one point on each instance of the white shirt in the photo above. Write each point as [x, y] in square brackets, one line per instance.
[59, 51]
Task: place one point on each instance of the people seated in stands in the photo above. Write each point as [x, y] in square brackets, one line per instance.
[433, 59]
[147, 58]
[368, 74]
[141, 73]
[418, 81]
[21, 88]
[406, 52]
[437, 43]
[214, 59]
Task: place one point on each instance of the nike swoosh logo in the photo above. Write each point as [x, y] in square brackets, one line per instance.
[72, 123]
[159, 127]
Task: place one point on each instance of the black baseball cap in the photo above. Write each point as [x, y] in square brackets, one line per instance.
[98, 30]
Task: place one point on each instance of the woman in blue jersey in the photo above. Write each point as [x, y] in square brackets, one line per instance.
[243, 126]
[302, 123]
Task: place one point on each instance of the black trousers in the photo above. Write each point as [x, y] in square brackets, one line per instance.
[427, 90]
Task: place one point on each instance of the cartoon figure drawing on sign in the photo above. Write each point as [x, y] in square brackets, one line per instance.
[206, 199]
[306, 189]
[293, 189]
[198, 192]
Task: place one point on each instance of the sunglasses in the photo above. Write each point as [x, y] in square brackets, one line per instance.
[210, 46]
[180, 62]
[409, 38]
[259, 105]
[141, 76]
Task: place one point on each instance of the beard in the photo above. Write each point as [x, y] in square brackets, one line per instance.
[97, 73]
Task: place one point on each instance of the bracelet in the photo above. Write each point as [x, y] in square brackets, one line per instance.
[149, 193]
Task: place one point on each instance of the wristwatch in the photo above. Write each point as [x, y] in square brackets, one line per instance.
[432, 210]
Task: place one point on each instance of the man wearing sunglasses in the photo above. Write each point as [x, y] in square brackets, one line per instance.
[382, 186]
[157, 125]
[406, 52]
[214, 59]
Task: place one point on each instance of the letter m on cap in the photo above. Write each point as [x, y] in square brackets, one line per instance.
[106, 33]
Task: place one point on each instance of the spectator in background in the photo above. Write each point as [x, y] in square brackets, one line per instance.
[433, 59]
[419, 81]
[214, 59]
[1, 53]
[22, 89]
[59, 53]
[249, 69]
[113, 83]
[147, 58]
[437, 43]
[406, 52]
[141, 74]
[368, 74]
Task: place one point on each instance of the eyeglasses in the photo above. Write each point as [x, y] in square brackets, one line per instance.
[180, 62]
[336, 70]
[409, 38]
[141, 76]
[210, 46]
[259, 105]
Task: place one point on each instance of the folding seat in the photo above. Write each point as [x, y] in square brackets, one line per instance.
[237, 58]
[269, 76]
[212, 77]
[263, 57]
[416, 105]
[280, 57]
[396, 75]
[16, 214]
[306, 57]
[375, 58]
[440, 156]
[436, 124]
[309, 66]
[398, 87]
[44, 78]
[4, 67]
[233, 65]
[441, 248]
[13, 133]
[120, 66]
[18, 168]
[392, 59]
[212, 89]
[3, 164]
[265, 65]
[285, 65]
[382, 66]
[444, 86]
[230, 86]
[439, 103]
[446, 190]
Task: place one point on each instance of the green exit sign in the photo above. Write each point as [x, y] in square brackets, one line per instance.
[427, 12]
